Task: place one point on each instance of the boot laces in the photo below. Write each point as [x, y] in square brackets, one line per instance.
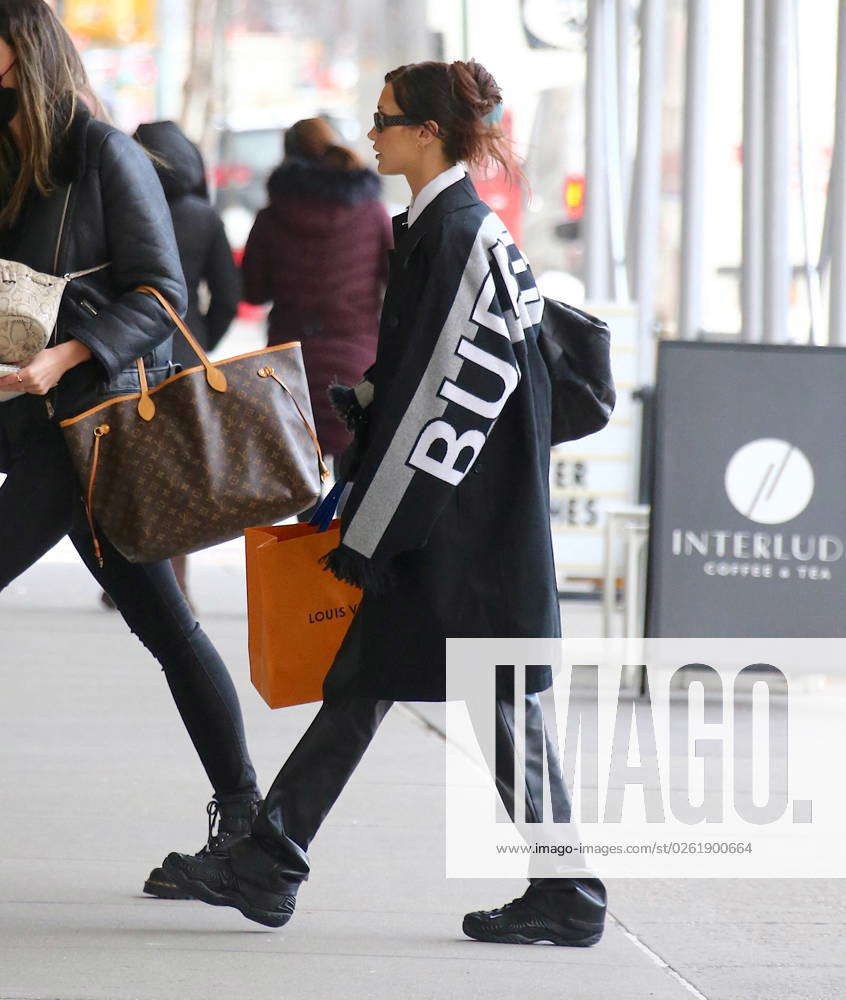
[219, 839]
[213, 813]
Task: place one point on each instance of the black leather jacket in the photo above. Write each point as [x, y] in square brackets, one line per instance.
[116, 213]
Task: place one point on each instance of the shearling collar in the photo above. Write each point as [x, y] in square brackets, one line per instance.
[69, 155]
[299, 178]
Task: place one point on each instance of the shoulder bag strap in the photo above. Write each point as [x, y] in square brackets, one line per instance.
[214, 376]
[62, 228]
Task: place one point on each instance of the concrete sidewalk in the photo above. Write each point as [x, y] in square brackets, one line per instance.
[100, 781]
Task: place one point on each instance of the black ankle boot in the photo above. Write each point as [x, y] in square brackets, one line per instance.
[242, 876]
[230, 820]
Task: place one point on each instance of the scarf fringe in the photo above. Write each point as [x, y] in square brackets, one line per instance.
[354, 568]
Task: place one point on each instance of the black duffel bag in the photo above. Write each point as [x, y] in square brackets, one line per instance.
[576, 348]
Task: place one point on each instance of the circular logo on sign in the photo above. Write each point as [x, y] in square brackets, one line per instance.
[769, 481]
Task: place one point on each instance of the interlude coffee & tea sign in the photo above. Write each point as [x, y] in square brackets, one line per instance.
[748, 526]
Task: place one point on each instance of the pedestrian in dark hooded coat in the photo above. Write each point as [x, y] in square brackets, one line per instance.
[203, 247]
[318, 252]
[204, 252]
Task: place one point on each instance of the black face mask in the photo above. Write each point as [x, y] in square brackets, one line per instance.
[8, 99]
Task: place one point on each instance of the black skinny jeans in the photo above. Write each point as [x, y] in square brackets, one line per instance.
[40, 503]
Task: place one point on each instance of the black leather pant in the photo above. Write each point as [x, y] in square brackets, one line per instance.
[320, 765]
[40, 504]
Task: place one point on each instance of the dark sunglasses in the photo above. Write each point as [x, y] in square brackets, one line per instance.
[381, 122]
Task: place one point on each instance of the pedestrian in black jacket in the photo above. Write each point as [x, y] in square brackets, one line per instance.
[204, 251]
[447, 524]
[203, 246]
[76, 193]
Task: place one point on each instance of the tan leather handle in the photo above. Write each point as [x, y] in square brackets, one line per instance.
[146, 406]
[269, 372]
[214, 376]
[89, 502]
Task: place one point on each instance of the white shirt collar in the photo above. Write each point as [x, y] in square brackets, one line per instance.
[430, 191]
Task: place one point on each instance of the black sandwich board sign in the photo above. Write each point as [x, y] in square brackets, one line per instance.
[748, 522]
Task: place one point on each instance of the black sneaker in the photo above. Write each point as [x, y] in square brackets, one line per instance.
[527, 920]
[212, 880]
[228, 822]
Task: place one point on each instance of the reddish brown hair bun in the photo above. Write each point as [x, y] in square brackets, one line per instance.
[460, 97]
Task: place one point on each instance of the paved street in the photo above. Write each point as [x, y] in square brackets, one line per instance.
[99, 782]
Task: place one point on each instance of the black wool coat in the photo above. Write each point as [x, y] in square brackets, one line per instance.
[115, 214]
[447, 524]
[203, 245]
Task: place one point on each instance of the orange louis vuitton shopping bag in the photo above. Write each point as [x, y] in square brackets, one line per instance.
[298, 613]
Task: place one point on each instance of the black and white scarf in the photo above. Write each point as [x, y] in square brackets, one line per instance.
[439, 406]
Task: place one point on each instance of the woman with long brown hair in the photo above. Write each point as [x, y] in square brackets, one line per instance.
[446, 526]
[75, 193]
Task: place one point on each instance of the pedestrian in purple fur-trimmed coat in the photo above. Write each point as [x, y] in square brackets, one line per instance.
[318, 252]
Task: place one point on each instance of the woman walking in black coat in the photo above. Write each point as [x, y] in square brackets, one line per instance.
[76, 193]
[447, 524]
